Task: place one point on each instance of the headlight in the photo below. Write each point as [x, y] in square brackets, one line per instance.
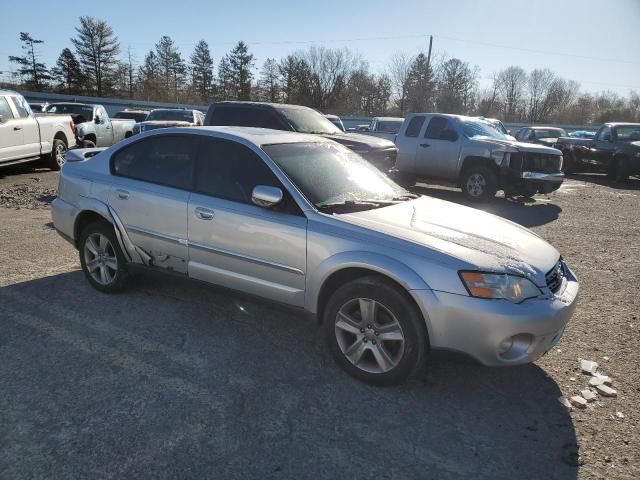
[500, 157]
[499, 286]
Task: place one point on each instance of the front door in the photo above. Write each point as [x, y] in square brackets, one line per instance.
[237, 244]
[435, 153]
[150, 194]
[601, 150]
[29, 127]
[104, 132]
[11, 135]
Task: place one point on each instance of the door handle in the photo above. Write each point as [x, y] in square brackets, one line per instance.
[123, 194]
[17, 128]
[204, 213]
[424, 145]
[108, 128]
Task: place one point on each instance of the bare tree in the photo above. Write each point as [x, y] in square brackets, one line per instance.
[398, 68]
[512, 82]
[539, 83]
[456, 85]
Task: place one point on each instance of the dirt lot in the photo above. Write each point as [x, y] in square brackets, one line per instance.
[176, 379]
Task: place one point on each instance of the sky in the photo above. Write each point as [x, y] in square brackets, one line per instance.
[594, 42]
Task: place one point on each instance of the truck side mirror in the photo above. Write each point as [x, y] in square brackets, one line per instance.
[96, 119]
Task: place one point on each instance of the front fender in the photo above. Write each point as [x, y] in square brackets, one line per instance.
[374, 262]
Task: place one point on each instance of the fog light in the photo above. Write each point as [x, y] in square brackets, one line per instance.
[516, 347]
[505, 346]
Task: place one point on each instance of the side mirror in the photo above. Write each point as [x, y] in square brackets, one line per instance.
[97, 119]
[449, 135]
[508, 132]
[265, 196]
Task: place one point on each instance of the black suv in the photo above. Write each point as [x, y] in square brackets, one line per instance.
[295, 118]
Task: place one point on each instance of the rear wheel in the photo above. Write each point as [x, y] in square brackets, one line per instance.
[479, 183]
[88, 144]
[568, 162]
[101, 258]
[56, 158]
[375, 332]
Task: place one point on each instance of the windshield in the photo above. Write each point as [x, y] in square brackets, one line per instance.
[172, 115]
[389, 126]
[628, 133]
[84, 111]
[550, 133]
[328, 173]
[137, 116]
[337, 122]
[477, 128]
[306, 120]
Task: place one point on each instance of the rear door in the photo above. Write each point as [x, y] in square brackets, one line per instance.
[150, 194]
[602, 148]
[235, 243]
[11, 135]
[407, 142]
[435, 154]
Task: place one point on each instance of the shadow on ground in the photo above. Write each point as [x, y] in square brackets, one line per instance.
[633, 183]
[526, 214]
[177, 379]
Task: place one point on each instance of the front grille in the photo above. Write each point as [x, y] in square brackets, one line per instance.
[536, 162]
[383, 159]
[554, 277]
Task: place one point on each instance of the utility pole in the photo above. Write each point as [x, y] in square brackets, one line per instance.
[429, 54]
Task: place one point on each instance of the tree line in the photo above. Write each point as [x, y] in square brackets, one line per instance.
[332, 80]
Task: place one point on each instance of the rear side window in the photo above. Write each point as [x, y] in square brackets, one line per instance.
[20, 107]
[604, 135]
[414, 127]
[246, 117]
[5, 109]
[436, 126]
[165, 160]
[229, 170]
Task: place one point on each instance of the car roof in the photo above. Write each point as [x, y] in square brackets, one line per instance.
[389, 119]
[281, 106]
[77, 104]
[330, 115]
[622, 124]
[257, 136]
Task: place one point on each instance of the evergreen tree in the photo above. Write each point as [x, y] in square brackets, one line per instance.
[148, 76]
[172, 68]
[420, 85]
[240, 62]
[97, 49]
[270, 81]
[202, 71]
[225, 82]
[33, 72]
[68, 73]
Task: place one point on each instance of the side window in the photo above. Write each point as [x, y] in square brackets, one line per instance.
[268, 119]
[103, 115]
[5, 109]
[165, 160]
[20, 107]
[229, 170]
[222, 115]
[605, 134]
[414, 127]
[436, 126]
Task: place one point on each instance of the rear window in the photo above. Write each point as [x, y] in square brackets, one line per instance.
[415, 126]
[245, 117]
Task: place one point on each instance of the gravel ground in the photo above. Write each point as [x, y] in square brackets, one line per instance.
[176, 379]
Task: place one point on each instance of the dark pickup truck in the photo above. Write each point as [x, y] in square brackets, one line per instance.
[378, 151]
[615, 150]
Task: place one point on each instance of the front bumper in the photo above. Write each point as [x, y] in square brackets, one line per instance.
[542, 177]
[477, 327]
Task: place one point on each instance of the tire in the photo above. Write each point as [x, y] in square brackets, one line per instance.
[405, 180]
[98, 248]
[569, 162]
[479, 183]
[621, 172]
[55, 159]
[87, 144]
[359, 347]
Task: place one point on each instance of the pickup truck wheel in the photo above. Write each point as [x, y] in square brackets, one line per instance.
[56, 158]
[375, 332]
[101, 258]
[479, 183]
[568, 162]
[88, 144]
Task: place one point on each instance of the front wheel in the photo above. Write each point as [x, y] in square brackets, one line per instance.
[479, 183]
[101, 258]
[375, 332]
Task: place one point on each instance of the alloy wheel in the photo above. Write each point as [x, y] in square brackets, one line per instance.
[60, 152]
[476, 185]
[369, 335]
[100, 259]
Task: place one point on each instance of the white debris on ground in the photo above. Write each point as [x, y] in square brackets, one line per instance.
[578, 401]
[588, 366]
[606, 391]
[587, 397]
[565, 402]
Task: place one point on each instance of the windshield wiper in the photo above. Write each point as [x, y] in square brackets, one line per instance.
[406, 196]
[355, 205]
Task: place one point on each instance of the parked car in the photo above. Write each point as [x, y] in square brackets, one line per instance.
[494, 122]
[170, 117]
[385, 127]
[582, 134]
[336, 120]
[302, 220]
[541, 135]
[474, 156]
[615, 150]
[380, 152]
[25, 137]
[94, 128]
[137, 115]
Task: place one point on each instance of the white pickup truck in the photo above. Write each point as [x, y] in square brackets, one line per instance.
[25, 137]
[475, 156]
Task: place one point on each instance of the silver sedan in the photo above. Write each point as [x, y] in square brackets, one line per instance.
[307, 222]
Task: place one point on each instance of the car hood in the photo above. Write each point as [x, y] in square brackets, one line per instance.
[482, 240]
[548, 141]
[522, 146]
[358, 141]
